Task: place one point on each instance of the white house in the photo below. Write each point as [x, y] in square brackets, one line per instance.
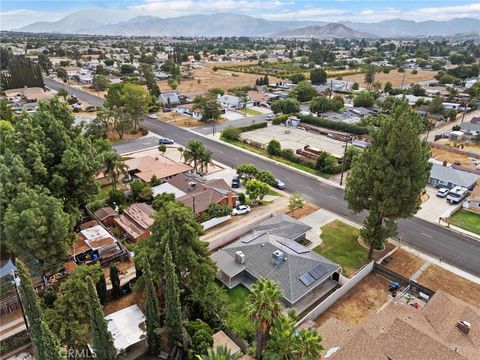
[232, 102]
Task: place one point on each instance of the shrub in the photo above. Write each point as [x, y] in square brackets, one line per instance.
[334, 125]
[289, 154]
[274, 147]
[231, 133]
[201, 336]
[280, 119]
[14, 342]
[116, 196]
[327, 164]
[254, 126]
[364, 98]
[266, 177]
[241, 197]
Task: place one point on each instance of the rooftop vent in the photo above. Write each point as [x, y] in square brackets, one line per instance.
[192, 184]
[277, 256]
[240, 257]
[464, 326]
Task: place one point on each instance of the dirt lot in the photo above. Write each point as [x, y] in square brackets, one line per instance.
[306, 210]
[361, 301]
[472, 148]
[451, 157]
[394, 77]
[404, 263]
[205, 78]
[123, 302]
[182, 120]
[437, 278]
[87, 89]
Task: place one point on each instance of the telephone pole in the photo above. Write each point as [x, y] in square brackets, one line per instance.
[344, 161]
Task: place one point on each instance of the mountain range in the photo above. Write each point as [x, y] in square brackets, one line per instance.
[99, 21]
[329, 31]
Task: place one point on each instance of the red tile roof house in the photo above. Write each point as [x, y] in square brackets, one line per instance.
[135, 221]
[200, 193]
[144, 168]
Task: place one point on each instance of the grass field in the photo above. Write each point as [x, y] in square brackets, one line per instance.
[466, 220]
[252, 112]
[103, 193]
[341, 246]
[394, 77]
[238, 320]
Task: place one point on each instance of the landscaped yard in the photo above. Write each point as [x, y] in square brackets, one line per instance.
[340, 245]
[238, 320]
[103, 193]
[252, 112]
[466, 220]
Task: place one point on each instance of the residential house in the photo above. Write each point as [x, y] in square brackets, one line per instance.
[342, 117]
[187, 109]
[144, 168]
[231, 102]
[272, 250]
[127, 327]
[470, 128]
[473, 201]
[361, 112]
[169, 99]
[446, 328]
[446, 176]
[135, 221]
[93, 243]
[198, 193]
[106, 215]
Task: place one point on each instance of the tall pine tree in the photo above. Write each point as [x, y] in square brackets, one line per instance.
[101, 287]
[388, 178]
[102, 340]
[152, 314]
[115, 279]
[46, 344]
[173, 311]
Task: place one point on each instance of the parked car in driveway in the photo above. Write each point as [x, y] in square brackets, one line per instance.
[442, 192]
[241, 210]
[165, 141]
[270, 117]
[279, 184]
[236, 182]
[152, 116]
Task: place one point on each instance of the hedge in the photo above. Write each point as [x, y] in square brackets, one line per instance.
[254, 126]
[14, 342]
[334, 125]
[280, 119]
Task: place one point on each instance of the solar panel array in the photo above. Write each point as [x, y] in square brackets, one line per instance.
[306, 279]
[293, 245]
[252, 236]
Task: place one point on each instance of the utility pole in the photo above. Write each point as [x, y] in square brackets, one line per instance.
[344, 161]
[16, 281]
[464, 110]
[331, 88]
[403, 79]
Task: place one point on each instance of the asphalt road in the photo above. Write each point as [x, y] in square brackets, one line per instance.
[455, 249]
[125, 147]
[208, 129]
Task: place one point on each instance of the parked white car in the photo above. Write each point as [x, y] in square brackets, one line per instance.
[241, 210]
[442, 192]
[152, 116]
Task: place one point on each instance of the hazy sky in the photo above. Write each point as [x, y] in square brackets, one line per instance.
[17, 13]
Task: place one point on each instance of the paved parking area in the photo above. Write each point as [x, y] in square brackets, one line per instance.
[435, 207]
[293, 138]
[143, 143]
[232, 115]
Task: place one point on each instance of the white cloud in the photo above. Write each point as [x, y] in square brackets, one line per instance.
[14, 19]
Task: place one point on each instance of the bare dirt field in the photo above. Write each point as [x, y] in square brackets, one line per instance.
[394, 77]
[437, 278]
[87, 89]
[205, 78]
[183, 121]
[123, 302]
[474, 148]
[362, 300]
[451, 157]
[404, 263]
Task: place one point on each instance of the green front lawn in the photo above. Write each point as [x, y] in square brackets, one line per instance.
[238, 320]
[340, 245]
[252, 112]
[466, 220]
[103, 193]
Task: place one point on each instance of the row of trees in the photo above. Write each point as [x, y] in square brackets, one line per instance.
[21, 72]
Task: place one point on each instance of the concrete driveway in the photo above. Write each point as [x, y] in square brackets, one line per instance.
[232, 115]
[435, 207]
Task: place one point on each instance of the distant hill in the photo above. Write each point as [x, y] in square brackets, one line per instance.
[329, 31]
[98, 21]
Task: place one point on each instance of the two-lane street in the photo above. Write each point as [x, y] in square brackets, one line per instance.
[455, 249]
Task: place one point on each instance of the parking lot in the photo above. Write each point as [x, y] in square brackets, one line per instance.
[435, 207]
[293, 138]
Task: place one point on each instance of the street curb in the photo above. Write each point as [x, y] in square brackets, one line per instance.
[326, 181]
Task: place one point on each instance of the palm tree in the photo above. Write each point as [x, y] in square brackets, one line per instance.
[114, 166]
[308, 344]
[263, 307]
[282, 338]
[220, 353]
[193, 153]
[181, 150]
[205, 160]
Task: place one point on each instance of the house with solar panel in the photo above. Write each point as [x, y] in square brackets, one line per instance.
[273, 250]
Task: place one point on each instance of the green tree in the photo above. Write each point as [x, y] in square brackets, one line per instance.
[36, 225]
[193, 153]
[285, 106]
[162, 199]
[297, 78]
[263, 306]
[45, 342]
[102, 340]
[162, 148]
[208, 106]
[295, 202]
[388, 178]
[115, 280]
[114, 166]
[152, 314]
[202, 340]
[231, 133]
[388, 87]
[326, 163]
[173, 311]
[304, 91]
[206, 158]
[435, 106]
[150, 80]
[355, 86]
[318, 76]
[100, 83]
[220, 353]
[274, 147]
[101, 287]
[266, 177]
[62, 92]
[247, 171]
[363, 99]
[256, 190]
[370, 76]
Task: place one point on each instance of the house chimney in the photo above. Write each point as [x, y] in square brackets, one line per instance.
[230, 203]
[464, 326]
[240, 257]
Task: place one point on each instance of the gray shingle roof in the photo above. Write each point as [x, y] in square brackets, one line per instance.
[454, 176]
[284, 226]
